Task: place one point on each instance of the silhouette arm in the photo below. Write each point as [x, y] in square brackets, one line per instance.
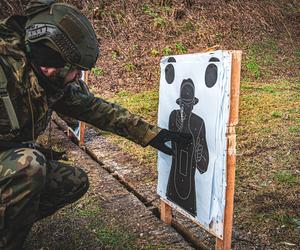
[201, 151]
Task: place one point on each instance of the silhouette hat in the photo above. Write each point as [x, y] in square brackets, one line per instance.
[187, 93]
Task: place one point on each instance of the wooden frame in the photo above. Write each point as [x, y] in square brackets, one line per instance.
[166, 209]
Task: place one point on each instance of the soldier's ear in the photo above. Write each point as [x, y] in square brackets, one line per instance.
[196, 100]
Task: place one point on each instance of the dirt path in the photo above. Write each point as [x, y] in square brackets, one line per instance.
[108, 217]
[141, 181]
[121, 209]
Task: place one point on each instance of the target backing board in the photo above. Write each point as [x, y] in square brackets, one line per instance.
[194, 98]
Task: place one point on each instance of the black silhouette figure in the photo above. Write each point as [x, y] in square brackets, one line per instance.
[181, 183]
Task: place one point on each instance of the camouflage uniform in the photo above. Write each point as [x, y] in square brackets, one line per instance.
[31, 186]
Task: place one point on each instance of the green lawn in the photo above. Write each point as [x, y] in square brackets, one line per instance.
[267, 173]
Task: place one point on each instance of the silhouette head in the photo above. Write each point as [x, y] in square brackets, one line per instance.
[187, 98]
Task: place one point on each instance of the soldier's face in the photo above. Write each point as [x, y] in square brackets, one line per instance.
[72, 75]
[53, 72]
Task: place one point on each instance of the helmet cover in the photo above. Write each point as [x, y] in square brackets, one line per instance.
[65, 29]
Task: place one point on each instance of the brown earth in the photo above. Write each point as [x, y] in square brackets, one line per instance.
[134, 35]
[109, 216]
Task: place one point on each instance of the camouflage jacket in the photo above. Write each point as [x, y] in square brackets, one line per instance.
[26, 94]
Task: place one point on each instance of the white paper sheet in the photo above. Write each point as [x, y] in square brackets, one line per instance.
[208, 75]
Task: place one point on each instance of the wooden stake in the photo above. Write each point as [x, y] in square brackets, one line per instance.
[70, 135]
[82, 124]
[225, 244]
[165, 212]
[81, 138]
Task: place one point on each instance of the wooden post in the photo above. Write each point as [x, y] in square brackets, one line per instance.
[70, 135]
[82, 124]
[225, 244]
[165, 212]
[81, 138]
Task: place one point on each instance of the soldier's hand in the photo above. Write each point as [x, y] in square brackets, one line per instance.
[164, 136]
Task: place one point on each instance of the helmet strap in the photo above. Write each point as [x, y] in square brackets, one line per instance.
[28, 50]
[65, 70]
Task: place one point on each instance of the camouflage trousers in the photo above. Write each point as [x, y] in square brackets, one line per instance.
[31, 188]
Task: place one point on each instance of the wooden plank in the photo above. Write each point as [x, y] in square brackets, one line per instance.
[189, 236]
[219, 244]
[231, 151]
[235, 87]
[165, 212]
[187, 215]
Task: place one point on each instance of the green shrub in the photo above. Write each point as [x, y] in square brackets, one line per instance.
[97, 71]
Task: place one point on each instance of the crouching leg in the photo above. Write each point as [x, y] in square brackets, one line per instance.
[65, 184]
[22, 179]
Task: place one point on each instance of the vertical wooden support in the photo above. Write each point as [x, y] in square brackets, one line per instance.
[81, 138]
[165, 212]
[82, 124]
[70, 135]
[225, 244]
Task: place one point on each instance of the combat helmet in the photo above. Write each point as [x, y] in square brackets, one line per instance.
[63, 28]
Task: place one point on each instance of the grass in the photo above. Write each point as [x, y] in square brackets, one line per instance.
[253, 67]
[167, 51]
[297, 53]
[86, 224]
[145, 105]
[260, 57]
[83, 225]
[149, 11]
[129, 67]
[181, 48]
[287, 177]
[268, 153]
[107, 235]
[189, 26]
[114, 54]
[268, 157]
[269, 124]
[97, 71]
[115, 239]
[154, 52]
[158, 20]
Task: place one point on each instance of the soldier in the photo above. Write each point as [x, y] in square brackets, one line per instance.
[41, 58]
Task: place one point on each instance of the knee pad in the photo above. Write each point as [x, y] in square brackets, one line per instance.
[32, 163]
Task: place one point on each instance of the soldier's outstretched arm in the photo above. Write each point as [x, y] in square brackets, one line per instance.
[80, 104]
